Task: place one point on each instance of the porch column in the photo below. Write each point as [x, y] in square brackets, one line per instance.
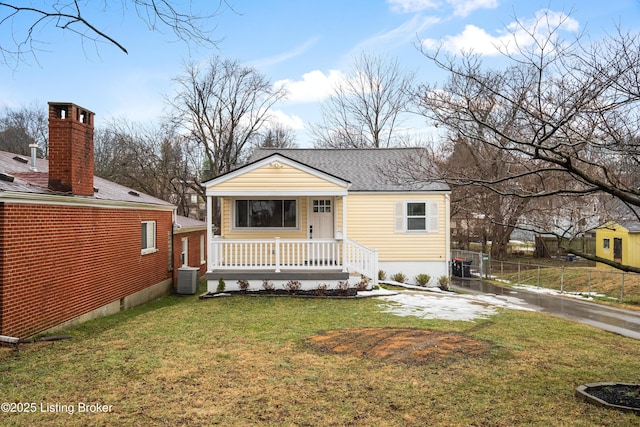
[209, 233]
[344, 234]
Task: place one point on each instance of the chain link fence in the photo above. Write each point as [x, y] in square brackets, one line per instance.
[597, 283]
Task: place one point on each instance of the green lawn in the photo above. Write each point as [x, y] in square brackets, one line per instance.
[242, 361]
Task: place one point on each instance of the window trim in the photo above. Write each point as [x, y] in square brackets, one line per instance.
[606, 244]
[184, 251]
[148, 246]
[253, 229]
[402, 216]
[202, 249]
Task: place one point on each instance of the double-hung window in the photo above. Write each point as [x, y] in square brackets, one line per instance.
[416, 216]
[148, 237]
[267, 213]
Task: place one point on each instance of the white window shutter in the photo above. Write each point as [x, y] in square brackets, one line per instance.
[432, 218]
[399, 217]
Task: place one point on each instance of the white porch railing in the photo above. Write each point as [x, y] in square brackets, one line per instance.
[361, 259]
[292, 254]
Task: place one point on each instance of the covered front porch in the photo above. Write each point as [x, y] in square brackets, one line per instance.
[312, 262]
[281, 220]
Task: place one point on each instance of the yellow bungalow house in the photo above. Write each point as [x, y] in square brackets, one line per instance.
[619, 242]
[321, 216]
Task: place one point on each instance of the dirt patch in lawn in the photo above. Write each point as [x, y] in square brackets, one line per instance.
[404, 345]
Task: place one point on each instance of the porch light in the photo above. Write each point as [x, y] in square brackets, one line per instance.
[276, 164]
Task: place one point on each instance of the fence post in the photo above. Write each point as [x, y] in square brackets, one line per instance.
[622, 288]
[589, 281]
[562, 279]
[518, 272]
[538, 280]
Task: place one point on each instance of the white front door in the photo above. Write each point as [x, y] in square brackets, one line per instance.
[321, 218]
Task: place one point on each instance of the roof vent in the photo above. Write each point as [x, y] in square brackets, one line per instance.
[20, 159]
[133, 193]
[4, 177]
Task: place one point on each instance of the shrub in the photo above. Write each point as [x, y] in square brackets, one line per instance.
[363, 284]
[293, 286]
[267, 285]
[382, 275]
[399, 277]
[343, 287]
[422, 279]
[243, 285]
[443, 282]
[221, 285]
[322, 289]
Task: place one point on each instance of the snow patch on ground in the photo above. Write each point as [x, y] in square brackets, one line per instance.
[448, 306]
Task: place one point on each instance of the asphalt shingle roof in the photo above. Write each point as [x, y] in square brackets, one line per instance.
[367, 169]
[632, 226]
[18, 177]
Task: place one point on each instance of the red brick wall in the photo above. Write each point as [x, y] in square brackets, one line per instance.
[194, 252]
[60, 262]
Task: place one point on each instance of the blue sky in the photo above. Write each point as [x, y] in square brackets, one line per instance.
[306, 45]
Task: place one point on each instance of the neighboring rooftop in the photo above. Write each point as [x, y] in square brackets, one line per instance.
[632, 226]
[368, 169]
[16, 176]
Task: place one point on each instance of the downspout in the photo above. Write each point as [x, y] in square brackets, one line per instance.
[447, 228]
[209, 232]
[172, 261]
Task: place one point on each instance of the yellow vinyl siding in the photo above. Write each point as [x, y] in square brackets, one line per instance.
[630, 244]
[370, 221]
[285, 178]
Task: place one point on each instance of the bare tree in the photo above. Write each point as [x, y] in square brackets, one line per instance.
[151, 159]
[366, 108]
[277, 136]
[221, 107]
[23, 126]
[573, 115]
[24, 22]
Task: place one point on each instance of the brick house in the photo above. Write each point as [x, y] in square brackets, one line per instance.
[74, 246]
[189, 245]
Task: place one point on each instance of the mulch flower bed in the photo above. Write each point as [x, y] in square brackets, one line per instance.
[621, 396]
[312, 293]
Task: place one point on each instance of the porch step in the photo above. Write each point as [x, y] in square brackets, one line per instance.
[272, 275]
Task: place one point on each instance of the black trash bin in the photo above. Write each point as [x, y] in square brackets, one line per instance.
[461, 267]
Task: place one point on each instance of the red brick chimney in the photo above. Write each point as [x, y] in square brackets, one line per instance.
[70, 149]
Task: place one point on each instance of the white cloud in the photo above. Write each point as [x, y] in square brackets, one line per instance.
[472, 38]
[398, 36]
[288, 121]
[412, 6]
[282, 57]
[314, 86]
[465, 7]
[478, 40]
[460, 7]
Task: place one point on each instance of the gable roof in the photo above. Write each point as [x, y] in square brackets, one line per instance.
[17, 177]
[273, 159]
[365, 168]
